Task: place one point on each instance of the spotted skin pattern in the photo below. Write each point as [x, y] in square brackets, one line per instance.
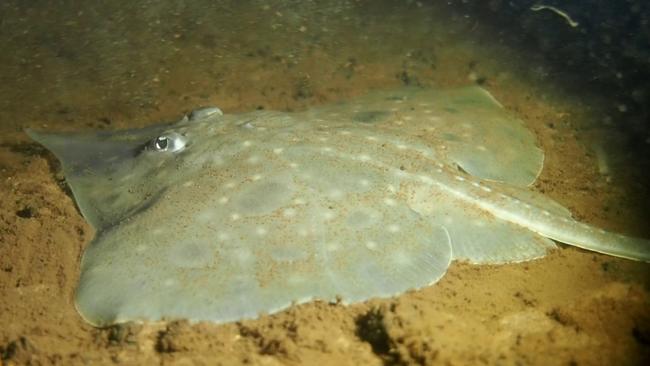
[223, 217]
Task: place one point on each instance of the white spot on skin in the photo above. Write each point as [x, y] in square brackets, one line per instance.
[326, 149]
[293, 165]
[216, 160]
[393, 228]
[335, 194]
[278, 150]
[364, 182]
[188, 184]
[401, 258]
[223, 200]
[299, 201]
[247, 143]
[390, 202]
[289, 212]
[331, 247]
[371, 245]
[235, 216]
[230, 185]
[459, 178]
[328, 215]
[223, 236]
[428, 154]
[364, 157]
[546, 213]
[127, 177]
[399, 173]
[487, 189]
[261, 231]
[243, 255]
[371, 138]
[253, 159]
[426, 179]
[401, 146]
[481, 148]
[256, 177]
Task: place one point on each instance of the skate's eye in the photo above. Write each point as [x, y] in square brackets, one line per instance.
[161, 143]
[171, 142]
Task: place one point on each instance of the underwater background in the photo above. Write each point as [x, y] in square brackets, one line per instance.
[575, 72]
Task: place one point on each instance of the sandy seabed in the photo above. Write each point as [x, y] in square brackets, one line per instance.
[120, 64]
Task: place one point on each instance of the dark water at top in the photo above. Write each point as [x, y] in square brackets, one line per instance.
[55, 47]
